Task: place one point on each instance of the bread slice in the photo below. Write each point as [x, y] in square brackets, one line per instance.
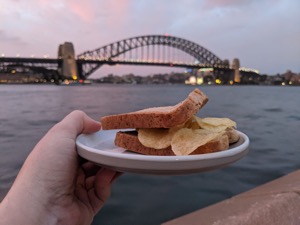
[129, 140]
[158, 117]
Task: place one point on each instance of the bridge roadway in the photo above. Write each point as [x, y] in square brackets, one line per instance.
[21, 61]
[32, 60]
[150, 63]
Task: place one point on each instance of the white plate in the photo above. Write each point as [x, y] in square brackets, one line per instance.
[99, 148]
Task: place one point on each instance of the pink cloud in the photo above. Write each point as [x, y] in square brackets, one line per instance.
[89, 11]
[117, 12]
[225, 3]
[84, 11]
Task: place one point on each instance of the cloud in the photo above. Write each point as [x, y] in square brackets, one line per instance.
[84, 11]
[212, 4]
[4, 37]
[247, 29]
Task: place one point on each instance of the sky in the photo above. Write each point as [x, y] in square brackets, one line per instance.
[262, 34]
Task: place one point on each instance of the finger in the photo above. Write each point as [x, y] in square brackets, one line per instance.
[90, 169]
[118, 174]
[104, 178]
[90, 182]
[77, 122]
[81, 123]
[101, 191]
[90, 178]
[80, 187]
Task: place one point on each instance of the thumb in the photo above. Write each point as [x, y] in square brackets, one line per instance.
[77, 122]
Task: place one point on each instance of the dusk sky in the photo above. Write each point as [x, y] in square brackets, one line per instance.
[263, 34]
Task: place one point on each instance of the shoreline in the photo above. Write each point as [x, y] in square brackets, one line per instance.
[276, 202]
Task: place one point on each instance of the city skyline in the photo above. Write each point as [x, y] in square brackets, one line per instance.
[264, 35]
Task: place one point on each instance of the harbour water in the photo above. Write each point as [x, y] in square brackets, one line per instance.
[269, 115]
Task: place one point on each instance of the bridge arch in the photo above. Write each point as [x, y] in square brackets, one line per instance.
[110, 51]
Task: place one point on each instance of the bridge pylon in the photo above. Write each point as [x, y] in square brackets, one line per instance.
[68, 67]
[236, 67]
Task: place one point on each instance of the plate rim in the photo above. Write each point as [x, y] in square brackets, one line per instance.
[215, 155]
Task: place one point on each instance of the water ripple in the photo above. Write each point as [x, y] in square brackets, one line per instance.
[272, 125]
[273, 110]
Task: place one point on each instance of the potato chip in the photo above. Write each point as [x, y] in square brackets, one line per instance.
[232, 134]
[186, 140]
[157, 138]
[192, 123]
[215, 124]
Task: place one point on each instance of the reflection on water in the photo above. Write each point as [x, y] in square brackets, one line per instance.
[268, 115]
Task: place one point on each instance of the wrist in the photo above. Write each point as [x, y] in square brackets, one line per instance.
[27, 202]
[22, 209]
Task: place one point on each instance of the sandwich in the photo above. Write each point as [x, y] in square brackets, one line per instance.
[172, 130]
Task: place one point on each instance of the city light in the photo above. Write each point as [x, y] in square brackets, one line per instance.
[218, 81]
[248, 70]
[200, 80]
[206, 70]
[192, 80]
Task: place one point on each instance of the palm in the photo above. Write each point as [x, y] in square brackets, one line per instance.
[80, 188]
[84, 200]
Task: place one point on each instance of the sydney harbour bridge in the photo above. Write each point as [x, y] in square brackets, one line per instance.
[151, 50]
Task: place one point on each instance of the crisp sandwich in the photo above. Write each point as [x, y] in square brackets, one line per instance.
[173, 130]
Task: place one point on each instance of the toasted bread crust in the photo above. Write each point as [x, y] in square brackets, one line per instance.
[158, 117]
[130, 141]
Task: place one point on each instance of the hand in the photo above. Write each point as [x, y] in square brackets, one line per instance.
[53, 187]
